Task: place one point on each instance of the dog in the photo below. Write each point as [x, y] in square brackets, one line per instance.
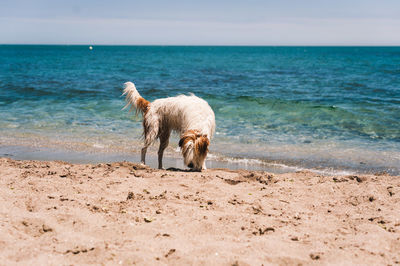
[189, 116]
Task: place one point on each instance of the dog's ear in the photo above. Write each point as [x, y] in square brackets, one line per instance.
[189, 135]
[185, 140]
[202, 144]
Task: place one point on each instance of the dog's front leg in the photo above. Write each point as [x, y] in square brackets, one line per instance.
[204, 166]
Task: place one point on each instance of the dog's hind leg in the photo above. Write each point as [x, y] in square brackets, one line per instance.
[150, 135]
[143, 155]
[164, 140]
[147, 142]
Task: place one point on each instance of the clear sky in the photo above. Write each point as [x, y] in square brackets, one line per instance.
[201, 22]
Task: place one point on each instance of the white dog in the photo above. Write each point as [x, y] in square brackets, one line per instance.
[189, 116]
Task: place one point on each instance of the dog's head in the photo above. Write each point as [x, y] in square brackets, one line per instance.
[194, 147]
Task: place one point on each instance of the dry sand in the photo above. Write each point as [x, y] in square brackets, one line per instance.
[124, 213]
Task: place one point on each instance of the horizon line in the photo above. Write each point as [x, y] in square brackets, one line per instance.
[208, 45]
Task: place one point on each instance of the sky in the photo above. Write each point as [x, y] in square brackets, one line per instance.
[205, 22]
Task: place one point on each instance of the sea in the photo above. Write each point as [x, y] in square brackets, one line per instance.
[331, 110]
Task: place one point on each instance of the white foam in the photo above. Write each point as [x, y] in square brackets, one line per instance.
[273, 165]
[98, 146]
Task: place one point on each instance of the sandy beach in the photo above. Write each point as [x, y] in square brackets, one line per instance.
[122, 213]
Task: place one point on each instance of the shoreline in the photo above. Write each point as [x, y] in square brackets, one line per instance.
[22, 152]
[172, 158]
[93, 156]
[125, 213]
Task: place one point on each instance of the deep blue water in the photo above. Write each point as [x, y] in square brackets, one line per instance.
[327, 108]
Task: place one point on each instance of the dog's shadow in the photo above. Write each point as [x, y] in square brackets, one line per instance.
[173, 169]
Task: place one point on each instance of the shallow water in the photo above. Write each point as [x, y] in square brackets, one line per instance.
[324, 108]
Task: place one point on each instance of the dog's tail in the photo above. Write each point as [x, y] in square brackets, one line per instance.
[134, 100]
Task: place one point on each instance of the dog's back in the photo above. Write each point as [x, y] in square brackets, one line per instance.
[182, 113]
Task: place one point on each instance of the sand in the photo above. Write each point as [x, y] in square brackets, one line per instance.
[124, 213]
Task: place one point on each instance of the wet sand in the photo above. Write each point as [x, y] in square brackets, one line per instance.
[53, 212]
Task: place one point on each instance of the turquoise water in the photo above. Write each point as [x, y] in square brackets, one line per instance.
[334, 109]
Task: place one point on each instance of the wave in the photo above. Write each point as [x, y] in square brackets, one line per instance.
[307, 117]
[290, 165]
[276, 167]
